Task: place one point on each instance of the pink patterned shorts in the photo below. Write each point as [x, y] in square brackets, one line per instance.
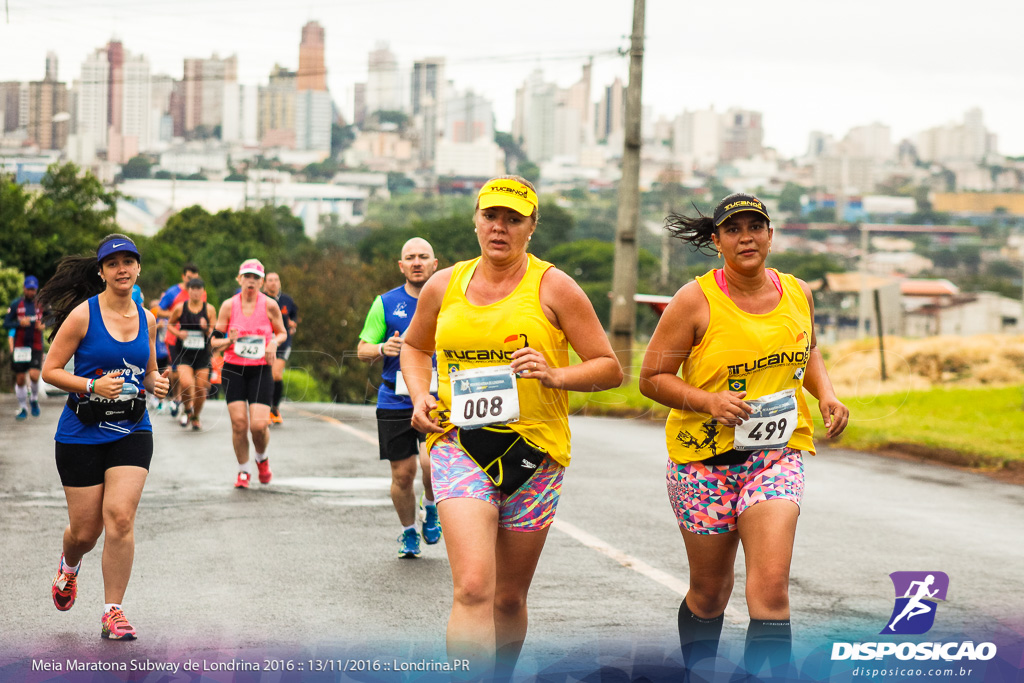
[709, 499]
[453, 474]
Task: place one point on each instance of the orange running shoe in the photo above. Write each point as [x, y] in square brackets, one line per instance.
[116, 627]
[65, 588]
[275, 416]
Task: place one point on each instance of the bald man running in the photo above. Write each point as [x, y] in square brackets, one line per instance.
[381, 338]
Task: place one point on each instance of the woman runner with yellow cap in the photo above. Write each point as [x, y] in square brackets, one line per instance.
[498, 433]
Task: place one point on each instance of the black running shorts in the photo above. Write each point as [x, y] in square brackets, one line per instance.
[250, 383]
[35, 364]
[398, 440]
[85, 464]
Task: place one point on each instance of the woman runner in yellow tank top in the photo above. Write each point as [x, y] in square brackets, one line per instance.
[744, 336]
[501, 325]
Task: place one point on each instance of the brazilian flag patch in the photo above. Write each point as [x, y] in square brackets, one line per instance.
[453, 367]
[737, 385]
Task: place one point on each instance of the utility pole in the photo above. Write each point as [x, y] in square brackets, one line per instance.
[623, 314]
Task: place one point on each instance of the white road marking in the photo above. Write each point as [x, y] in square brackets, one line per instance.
[368, 438]
[673, 583]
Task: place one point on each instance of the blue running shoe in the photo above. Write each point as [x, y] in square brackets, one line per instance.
[22, 415]
[409, 544]
[431, 524]
[35, 408]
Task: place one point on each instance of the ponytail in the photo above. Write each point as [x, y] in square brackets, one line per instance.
[695, 231]
[76, 280]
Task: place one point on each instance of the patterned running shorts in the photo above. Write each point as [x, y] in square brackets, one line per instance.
[453, 474]
[709, 499]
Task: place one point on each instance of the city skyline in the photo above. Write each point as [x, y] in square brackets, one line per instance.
[807, 67]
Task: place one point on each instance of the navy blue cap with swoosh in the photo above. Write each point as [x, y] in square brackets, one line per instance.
[113, 246]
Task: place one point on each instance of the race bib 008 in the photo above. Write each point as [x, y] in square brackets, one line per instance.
[771, 425]
[484, 396]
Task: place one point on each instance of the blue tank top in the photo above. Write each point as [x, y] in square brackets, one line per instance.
[399, 308]
[100, 354]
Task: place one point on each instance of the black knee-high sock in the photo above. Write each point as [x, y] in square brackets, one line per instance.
[698, 637]
[278, 390]
[768, 640]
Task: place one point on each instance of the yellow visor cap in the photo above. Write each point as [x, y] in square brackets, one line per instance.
[508, 193]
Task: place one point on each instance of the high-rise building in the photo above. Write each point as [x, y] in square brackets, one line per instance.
[359, 104]
[966, 142]
[551, 121]
[94, 100]
[115, 85]
[742, 134]
[383, 85]
[48, 114]
[204, 90]
[428, 96]
[468, 118]
[241, 114]
[277, 109]
[51, 67]
[611, 111]
[697, 138]
[313, 121]
[10, 106]
[161, 119]
[137, 104]
[312, 74]
[873, 141]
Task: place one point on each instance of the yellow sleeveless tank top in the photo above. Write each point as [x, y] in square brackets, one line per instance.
[757, 353]
[470, 336]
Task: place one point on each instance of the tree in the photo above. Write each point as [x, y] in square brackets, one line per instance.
[529, 170]
[70, 215]
[136, 167]
[789, 198]
[342, 138]
[399, 183]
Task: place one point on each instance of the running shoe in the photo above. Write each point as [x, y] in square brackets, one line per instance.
[22, 415]
[243, 480]
[264, 468]
[195, 425]
[184, 419]
[174, 408]
[116, 627]
[431, 524]
[35, 408]
[275, 416]
[65, 588]
[409, 544]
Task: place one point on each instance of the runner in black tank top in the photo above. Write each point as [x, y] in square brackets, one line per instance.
[193, 333]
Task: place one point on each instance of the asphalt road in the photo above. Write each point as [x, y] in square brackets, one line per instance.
[307, 569]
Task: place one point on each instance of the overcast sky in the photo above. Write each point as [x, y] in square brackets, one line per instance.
[827, 66]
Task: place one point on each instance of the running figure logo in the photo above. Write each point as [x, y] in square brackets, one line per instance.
[917, 598]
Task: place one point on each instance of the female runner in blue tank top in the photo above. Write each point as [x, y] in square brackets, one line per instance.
[104, 438]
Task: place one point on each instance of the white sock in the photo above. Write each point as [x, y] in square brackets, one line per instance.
[260, 457]
[111, 605]
[246, 467]
[22, 394]
[427, 501]
[68, 569]
[413, 527]
[33, 385]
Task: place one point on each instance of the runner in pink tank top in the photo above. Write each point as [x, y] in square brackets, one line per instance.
[251, 328]
[250, 342]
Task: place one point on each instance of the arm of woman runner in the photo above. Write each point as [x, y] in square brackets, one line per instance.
[173, 320]
[223, 318]
[569, 309]
[680, 328]
[64, 345]
[418, 350]
[816, 381]
[155, 382]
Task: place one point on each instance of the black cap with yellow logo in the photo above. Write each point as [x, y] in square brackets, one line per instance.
[736, 203]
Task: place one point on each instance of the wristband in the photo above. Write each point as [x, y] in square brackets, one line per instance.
[89, 386]
[380, 350]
